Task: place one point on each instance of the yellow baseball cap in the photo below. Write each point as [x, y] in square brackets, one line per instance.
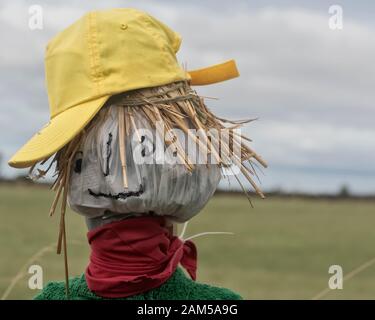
[102, 54]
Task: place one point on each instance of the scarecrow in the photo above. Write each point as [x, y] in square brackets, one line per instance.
[123, 121]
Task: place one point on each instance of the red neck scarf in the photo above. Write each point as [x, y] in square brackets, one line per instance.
[135, 255]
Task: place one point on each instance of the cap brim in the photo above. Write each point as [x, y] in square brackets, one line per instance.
[56, 134]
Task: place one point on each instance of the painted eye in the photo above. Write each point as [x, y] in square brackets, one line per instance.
[78, 162]
[108, 154]
[146, 150]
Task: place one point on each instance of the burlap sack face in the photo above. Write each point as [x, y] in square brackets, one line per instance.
[168, 189]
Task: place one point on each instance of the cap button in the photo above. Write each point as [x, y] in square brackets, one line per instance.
[124, 26]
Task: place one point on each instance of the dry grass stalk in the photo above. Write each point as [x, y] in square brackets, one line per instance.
[122, 141]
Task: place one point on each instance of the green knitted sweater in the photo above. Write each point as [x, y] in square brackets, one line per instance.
[177, 287]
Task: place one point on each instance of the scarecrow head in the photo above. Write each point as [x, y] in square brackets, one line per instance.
[128, 135]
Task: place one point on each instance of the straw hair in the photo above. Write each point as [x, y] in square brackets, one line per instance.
[177, 106]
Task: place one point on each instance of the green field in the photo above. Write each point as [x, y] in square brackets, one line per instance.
[282, 249]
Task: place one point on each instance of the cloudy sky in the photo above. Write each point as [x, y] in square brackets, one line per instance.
[310, 87]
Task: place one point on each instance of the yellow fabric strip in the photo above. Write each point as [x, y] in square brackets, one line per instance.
[213, 74]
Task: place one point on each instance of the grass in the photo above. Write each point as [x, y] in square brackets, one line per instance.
[282, 249]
